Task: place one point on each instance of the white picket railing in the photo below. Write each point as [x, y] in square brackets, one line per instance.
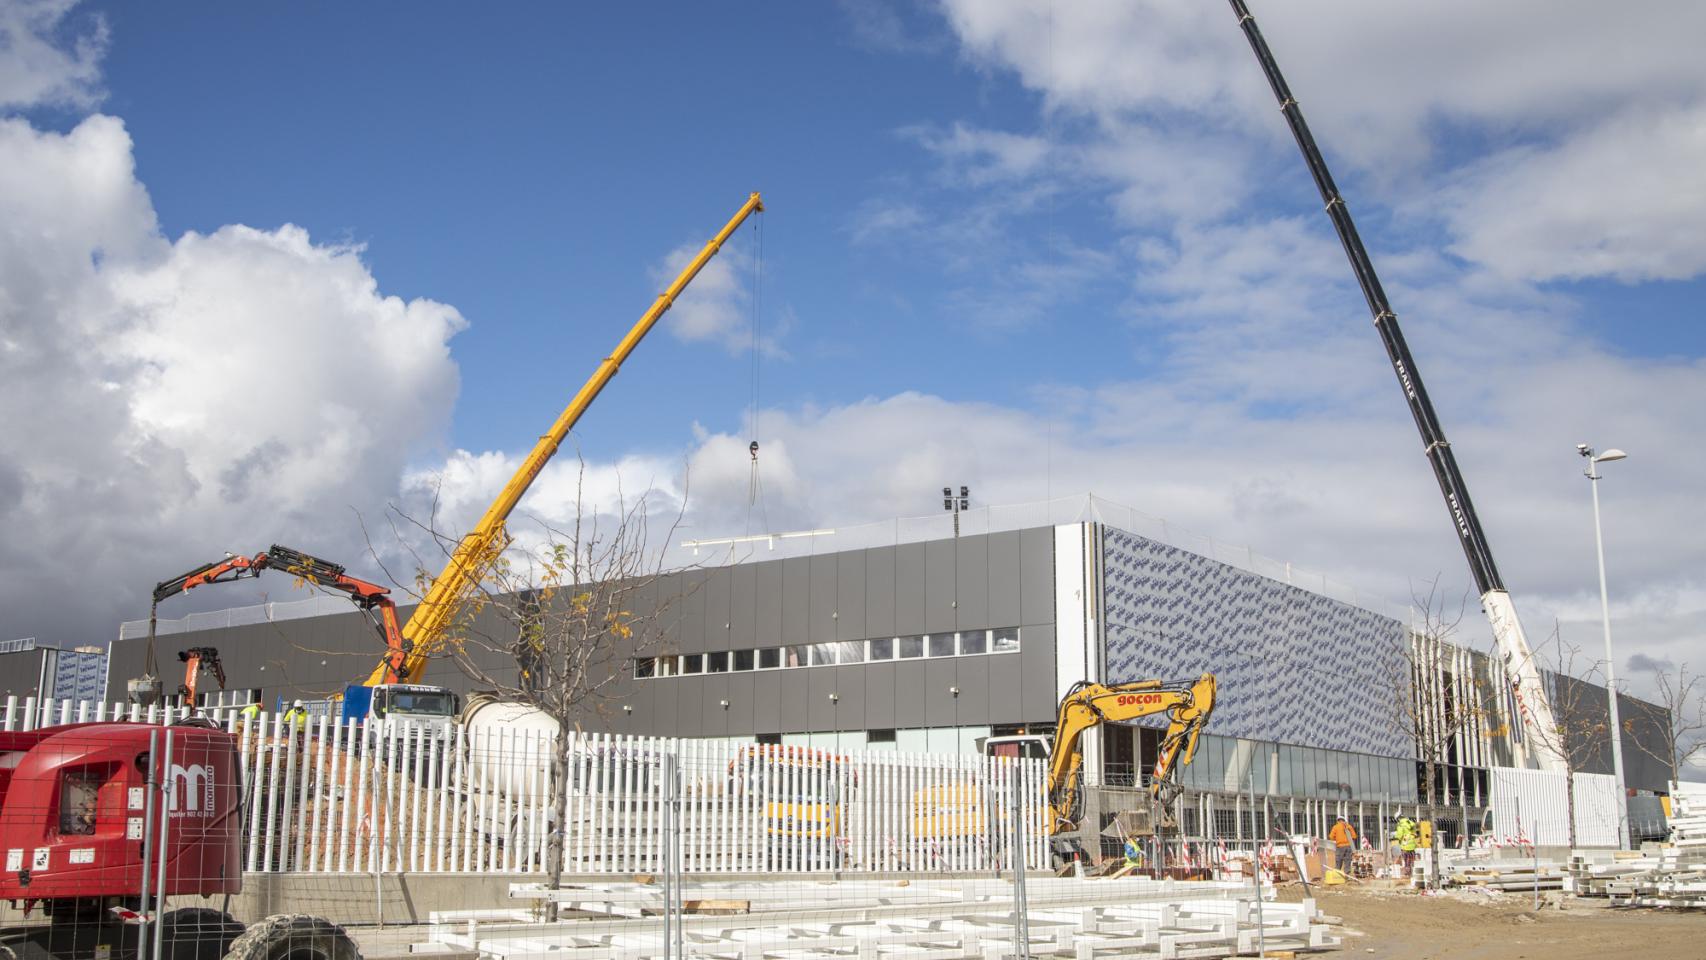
[348, 797]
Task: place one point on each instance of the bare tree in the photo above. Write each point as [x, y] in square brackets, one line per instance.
[1680, 736]
[1426, 705]
[1418, 675]
[1581, 724]
[555, 626]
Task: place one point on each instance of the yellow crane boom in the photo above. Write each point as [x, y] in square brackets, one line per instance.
[424, 634]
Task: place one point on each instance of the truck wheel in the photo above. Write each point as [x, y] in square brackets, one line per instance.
[197, 933]
[294, 936]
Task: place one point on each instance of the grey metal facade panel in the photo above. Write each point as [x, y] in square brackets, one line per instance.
[971, 675]
[743, 707]
[1278, 652]
[689, 701]
[718, 613]
[909, 588]
[1004, 579]
[850, 596]
[908, 695]
[880, 696]
[822, 609]
[796, 599]
[713, 716]
[879, 592]
[821, 711]
[1583, 711]
[1037, 672]
[940, 587]
[849, 712]
[768, 604]
[794, 700]
[1036, 576]
[691, 632]
[971, 579]
[743, 604]
[940, 707]
[767, 702]
[1006, 703]
[670, 611]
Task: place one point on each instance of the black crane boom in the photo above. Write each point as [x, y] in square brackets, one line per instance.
[1434, 445]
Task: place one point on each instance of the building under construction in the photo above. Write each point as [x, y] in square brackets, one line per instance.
[927, 646]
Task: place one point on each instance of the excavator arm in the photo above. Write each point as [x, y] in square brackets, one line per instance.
[1187, 703]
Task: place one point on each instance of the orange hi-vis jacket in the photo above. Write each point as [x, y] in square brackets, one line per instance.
[1343, 835]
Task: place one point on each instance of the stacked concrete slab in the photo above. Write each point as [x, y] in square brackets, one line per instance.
[1083, 919]
[1670, 874]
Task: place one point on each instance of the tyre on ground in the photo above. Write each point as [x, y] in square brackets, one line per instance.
[294, 937]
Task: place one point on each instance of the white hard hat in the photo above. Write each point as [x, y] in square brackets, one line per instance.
[297, 703]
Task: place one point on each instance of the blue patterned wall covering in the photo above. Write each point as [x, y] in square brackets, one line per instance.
[1293, 666]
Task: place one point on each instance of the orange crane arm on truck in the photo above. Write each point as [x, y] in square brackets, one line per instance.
[427, 628]
[372, 598]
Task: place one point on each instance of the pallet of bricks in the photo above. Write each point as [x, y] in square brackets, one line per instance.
[1670, 874]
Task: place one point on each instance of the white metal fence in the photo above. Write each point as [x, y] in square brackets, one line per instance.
[390, 797]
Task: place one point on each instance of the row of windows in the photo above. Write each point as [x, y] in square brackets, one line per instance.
[962, 643]
[1228, 764]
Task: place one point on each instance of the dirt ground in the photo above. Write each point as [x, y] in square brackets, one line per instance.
[1402, 925]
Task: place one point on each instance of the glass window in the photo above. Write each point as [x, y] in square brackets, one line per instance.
[669, 665]
[796, 655]
[645, 667]
[910, 647]
[692, 663]
[717, 662]
[940, 644]
[882, 648]
[1004, 640]
[78, 792]
[1284, 784]
[823, 654]
[974, 641]
[769, 658]
[850, 651]
[743, 659]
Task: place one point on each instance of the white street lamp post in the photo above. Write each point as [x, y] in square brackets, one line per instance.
[1592, 473]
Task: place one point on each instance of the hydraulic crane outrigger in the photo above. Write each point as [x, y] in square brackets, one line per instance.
[1533, 707]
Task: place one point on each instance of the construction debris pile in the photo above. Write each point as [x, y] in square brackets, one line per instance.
[1671, 874]
[1066, 917]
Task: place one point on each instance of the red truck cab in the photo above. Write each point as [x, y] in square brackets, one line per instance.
[73, 800]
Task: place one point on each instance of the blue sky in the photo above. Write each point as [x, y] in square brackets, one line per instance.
[1039, 249]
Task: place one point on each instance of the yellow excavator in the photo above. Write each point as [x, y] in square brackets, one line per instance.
[1187, 704]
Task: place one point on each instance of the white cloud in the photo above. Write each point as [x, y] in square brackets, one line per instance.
[171, 400]
[717, 306]
[1623, 198]
[37, 71]
[1592, 114]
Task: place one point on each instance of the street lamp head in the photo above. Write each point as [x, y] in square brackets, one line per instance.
[1612, 454]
